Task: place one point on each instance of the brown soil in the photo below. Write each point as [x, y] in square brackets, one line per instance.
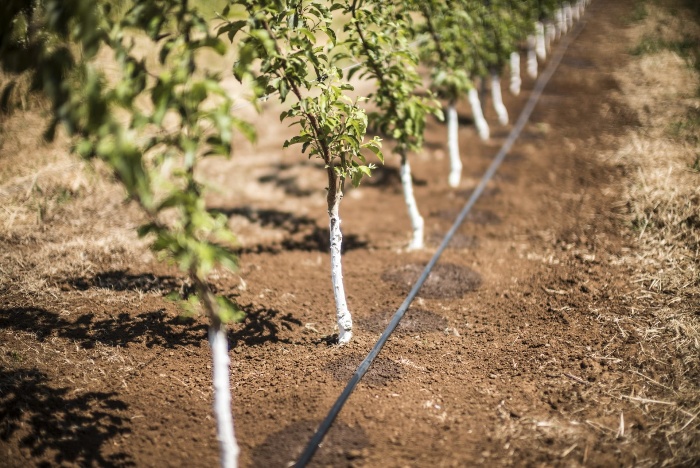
[522, 350]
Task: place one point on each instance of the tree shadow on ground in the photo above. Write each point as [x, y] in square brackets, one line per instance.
[289, 183]
[385, 177]
[261, 325]
[59, 423]
[120, 280]
[303, 234]
[154, 328]
[344, 445]
[284, 220]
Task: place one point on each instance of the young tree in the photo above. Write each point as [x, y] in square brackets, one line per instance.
[448, 53]
[151, 125]
[281, 40]
[501, 29]
[378, 37]
[515, 80]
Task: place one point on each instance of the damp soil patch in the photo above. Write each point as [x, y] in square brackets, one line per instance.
[481, 217]
[458, 242]
[415, 321]
[447, 280]
[381, 372]
[343, 446]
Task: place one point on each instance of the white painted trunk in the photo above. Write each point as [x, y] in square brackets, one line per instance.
[531, 57]
[515, 80]
[550, 35]
[453, 146]
[481, 125]
[498, 105]
[417, 223]
[568, 16]
[560, 23]
[576, 11]
[222, 396]
[341, 306]
[540, 42]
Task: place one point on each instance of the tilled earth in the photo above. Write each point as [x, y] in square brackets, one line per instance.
[515, 352]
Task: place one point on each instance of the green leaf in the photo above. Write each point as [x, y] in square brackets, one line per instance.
[229, 310]
[231, 29]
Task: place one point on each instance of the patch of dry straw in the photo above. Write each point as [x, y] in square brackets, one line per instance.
[663, 196]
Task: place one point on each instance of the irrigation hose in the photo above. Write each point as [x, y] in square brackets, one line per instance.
[540, 84]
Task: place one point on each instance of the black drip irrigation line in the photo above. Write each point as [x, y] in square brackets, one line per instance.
[362, 369]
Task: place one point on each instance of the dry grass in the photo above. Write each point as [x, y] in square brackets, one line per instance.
[662, 85]
[60, 217]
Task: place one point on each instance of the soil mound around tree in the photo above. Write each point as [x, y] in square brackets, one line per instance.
[446, 280]
[414, 321]
[381, 372]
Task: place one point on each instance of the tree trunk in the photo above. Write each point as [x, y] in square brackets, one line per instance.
[531, 57]
[515, 80]
[417, 222]
[550, 35]
[453, 145]
[218, 342]
[341, 306]
[568, 16]
[222, 394]
[497, 97]
[481, 125]
[560, 23]
[540, 46]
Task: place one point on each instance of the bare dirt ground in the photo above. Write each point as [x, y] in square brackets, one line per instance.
[538, 341]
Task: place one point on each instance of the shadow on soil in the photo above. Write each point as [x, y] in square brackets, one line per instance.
[57, 422]
[120, 280]
[343, 446]
[303, 232]
[289, 183]
[261, 326]
[389, 178]
[152, 328]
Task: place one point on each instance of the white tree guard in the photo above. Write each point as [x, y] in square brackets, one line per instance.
[341, 306]
[222, 396]
[481, 125]
[497, 98]
[560, 22]
[568, 16]
[576, 11]
[550, 34]
[417, 223]
[540, 41]
[453, 146]
[531, 57]
[515, 80]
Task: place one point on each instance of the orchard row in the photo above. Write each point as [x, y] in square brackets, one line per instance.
[163, 115]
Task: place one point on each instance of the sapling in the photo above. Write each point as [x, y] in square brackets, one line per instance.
[515, 80]
[447, 51]
[289, 61]
[501, 23]
[151, 126]
[531, 56]
[378, 33]
[562, 24]
[541, 43]
[576, 11]
[568, 16]
[497, 98]
[482, 126]
[544, 13]
[550, 35]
